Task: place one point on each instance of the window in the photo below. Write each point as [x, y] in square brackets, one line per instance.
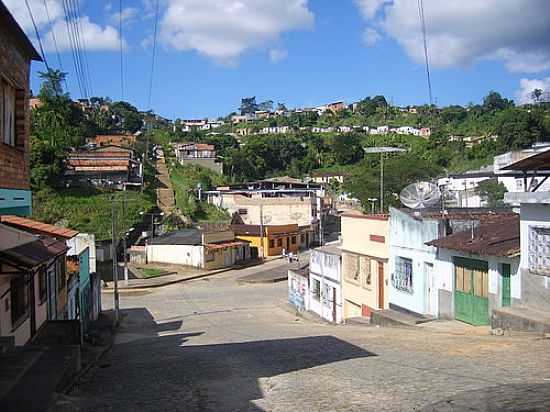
[42, 286]
[271, 243]
[302, 238]
[402, 277]
[19, 300]
[539, 250]
[365, 270]
[293, 240]
[243, 211]
[316, 290]
[61, 270]
[210, 256]
[7, 113]
[351, 264]
[279, 242]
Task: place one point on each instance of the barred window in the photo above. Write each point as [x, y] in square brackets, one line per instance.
[365, 269]
[539, 250]
[316, 290]
[402, 276]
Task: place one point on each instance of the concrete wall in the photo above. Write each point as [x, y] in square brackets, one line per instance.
[276, 211]
[298, 291]
[176, 254]
[407, 239]
[534, 288]
[217, 237]
[366, 236]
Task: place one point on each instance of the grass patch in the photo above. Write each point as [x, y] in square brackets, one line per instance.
[88, 210]
[152, 272]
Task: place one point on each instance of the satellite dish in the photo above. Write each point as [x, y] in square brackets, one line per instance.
[420, 195]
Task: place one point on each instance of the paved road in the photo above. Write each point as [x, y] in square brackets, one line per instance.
[217, 345]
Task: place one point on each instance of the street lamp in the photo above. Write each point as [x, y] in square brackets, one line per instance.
[152, 220]
[382, 151]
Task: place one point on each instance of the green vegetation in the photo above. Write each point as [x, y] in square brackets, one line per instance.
[59, 124]
[152, 272]
[493, 191]
[89, 210]
[185, 180]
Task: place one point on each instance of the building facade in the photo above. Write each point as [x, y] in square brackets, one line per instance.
[16, 54]
[325, 280]
[275, 240]
[365, 250]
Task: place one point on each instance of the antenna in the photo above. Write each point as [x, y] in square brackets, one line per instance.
[420, 195]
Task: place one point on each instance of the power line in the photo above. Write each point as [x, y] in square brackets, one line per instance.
[85, 48]
[121, 58]
[154, 53]
[54, 37]
[78, 44]
[424, 35]
[37, 36]
[73, 48]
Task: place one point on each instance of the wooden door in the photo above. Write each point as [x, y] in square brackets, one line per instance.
[381, 285]
[506, 290]
[471, 291]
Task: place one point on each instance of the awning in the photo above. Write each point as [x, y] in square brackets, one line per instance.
[33, 254]
[224, 245]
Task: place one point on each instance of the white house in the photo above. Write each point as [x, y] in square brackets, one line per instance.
[325, 280]
[298, 288]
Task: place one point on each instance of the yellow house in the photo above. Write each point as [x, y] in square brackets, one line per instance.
[273, 241]
[365, 255]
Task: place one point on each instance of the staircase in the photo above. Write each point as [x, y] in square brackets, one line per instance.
[392, 317]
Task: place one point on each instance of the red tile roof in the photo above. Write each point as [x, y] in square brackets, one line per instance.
[34, 226]
[494, 238]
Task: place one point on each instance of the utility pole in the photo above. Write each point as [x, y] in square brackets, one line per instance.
[261, 231]
[115, 264]
[381, 183]
[124, 246]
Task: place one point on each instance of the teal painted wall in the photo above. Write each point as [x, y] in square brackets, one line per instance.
[15, 202]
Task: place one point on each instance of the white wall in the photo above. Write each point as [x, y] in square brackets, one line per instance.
[327, 269]
[176, 255]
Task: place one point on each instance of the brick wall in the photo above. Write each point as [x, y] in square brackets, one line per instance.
[14, 160]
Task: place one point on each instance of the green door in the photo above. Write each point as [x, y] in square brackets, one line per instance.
[506, 294]
[471, 291]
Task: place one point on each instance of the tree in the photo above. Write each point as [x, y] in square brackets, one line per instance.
[492, 192]
[536, 94]
[248, 105]
[494, 101]
[347, 149]
[518, 128]
[51, 84]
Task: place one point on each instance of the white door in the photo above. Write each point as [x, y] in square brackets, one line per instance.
[431, 289]
[328, 302]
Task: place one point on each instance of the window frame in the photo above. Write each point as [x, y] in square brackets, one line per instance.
[43, 286]
[539, 250]
[60, 272]
[17, 315]
[316, 291]
[402, 277]
[5, 137]
[365, 275]
[353, 276]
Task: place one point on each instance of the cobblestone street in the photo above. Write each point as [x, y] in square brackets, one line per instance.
[219, 345]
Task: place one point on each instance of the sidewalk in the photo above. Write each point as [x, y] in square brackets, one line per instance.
[140, 284]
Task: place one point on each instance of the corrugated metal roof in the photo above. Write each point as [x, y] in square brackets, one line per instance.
[495, 238]
[189, 236]
[37, 227]
[539, 161]
[33, 254]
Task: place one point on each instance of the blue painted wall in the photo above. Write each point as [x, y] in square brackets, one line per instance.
[15, 202]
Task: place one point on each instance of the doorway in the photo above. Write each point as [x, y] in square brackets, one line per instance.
[381, 285]
[431, 289]
[471, 294]
[506, 287]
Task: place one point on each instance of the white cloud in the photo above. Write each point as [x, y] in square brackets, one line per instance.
[526, 87]
[370, 37]
[462, 32]
[277, 55]
[129, 15]
[18, 9]
[94, 36]
[225, 29]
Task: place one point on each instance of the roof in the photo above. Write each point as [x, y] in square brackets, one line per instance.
[478, 213]
[328, 174]
[539, 161]
[191, 237]
[223, 245]
[12, 27]
[496, 238]
[284, 179]
[98, 162]
[359, 215]
[251, 230]
[331, 249]
[33, 254]
[37, 227]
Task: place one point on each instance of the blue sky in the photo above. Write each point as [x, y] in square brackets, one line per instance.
[213, 52]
